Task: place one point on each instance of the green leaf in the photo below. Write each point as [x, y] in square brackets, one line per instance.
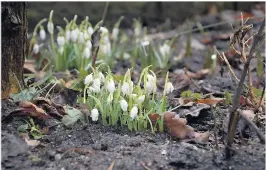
[23, 128]
[187, 93]
[73, 115]
[260, 69]
[228, 98]
[197, 96]
[26, 94]
[257, 92]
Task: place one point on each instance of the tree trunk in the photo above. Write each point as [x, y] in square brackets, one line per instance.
[14, 36]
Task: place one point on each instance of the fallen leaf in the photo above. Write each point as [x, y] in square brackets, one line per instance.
[28, 108]
[210, 101]
[66, 97]
[30, 142]
[73, 115]
[201, 137]
[154, 117]
[193, 111]
[199, 75]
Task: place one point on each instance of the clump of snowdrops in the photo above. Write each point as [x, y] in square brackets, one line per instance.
[71, 46]
[124, 102]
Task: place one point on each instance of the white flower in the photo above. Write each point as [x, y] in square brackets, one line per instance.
[101, 76]
[42, 34]
[81, 38]
[115, 33]
[61, 50]
[214, 56]
[67, 35]
[169, 87]
[124, 105]
[87, 52]
[106, 48]
[104, 30]
[94, 114]
[36, 49]
[149, 86]
[150, 78]
[88, 79]
[127, 88]
[60, 41]
[141, 98]
[74, 35]
[126, 56]
[89, 45]
[137, 31]
[110, 86]
[134, 95]
[50, 27]
[165, 49]
[96, 82]
[90, 30]
[134, 112]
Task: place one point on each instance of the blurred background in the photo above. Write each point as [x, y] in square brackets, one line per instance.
[151, 14]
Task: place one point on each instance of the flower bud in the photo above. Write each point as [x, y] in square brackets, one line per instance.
[169, 87]
[124, 105]
[134, 112]
[50, 27]
[67, 35]
[81, 38]
[126, 88]
[87, 52]
[141, 98]
[90, 30]
[60, 41]
[94, 114]
[110, 86]
[88, 79]
[42, 34]
[89, 45]
[74, 35]
[36, 49]
[115, 33]
[165, 49]
[104, 30]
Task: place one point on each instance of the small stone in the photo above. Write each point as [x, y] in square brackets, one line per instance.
[164, 152]
[58, 157]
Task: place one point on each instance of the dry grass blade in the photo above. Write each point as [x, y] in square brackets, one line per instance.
[111, 166]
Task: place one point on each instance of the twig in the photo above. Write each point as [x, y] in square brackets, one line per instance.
[111, 166]
[215, 127]
[236, 101]
[144, 166]
[254, 127]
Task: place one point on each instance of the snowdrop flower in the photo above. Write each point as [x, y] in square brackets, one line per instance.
[90, 30]
[106, 48]
[141, 98]
[42, 34]
[137, 31]
[104, 30]
[127, 88]
[165, 49]
[101, 76]
[60, 41]
[87, 52]
[88, 79]
[134, 112]
[50, 27]
[124, 105]
[169, 87]
[213, 57]
[126, 56]
[115, 33]
[88, 43]
[134, 95]
[67, 35]
[94, 114]
[81, 38]
[110, 86]
[96, 83]
[74, 35]
[36, 49]
[150, 83]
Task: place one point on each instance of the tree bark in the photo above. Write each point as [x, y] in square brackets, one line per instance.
[14, 36]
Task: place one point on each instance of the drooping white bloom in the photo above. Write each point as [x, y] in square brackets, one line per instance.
[134, 95]
[74, 35]
[124, 105]
[88, 79]
[106, 48]
[96, 83]
[126, 56]
[104, 30]
[88, 43]
[110, 86]
[60, 41]
[141, 98]
[115, 33]
[137, 31]
[94, 114]
[165, 49]
[87, 52]
[42, 34]
[134, 112]
[213, 57]
[149, 86]
[81, 38]
[150, 78]
[67, 35]
[127, 88]
[101, 76]
[50, 27]
[90, 30]
[169, 87]
[36, 49]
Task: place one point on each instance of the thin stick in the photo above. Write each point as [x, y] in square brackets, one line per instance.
[253, 126]
[236, 101]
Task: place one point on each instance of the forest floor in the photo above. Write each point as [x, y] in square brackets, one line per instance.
[94, 146]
